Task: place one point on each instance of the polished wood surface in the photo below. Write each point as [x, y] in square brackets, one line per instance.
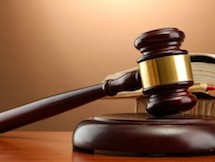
[141, 133]
[57, 147]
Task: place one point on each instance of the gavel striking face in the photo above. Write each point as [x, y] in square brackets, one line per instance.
[165, 74]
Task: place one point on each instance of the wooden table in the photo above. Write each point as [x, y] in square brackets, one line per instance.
[57, 146]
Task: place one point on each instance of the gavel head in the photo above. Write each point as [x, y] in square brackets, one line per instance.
[165, 71]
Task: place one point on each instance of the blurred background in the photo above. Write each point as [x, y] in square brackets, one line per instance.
[52, 46]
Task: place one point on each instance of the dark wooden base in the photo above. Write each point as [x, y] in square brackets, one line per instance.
[143, 134]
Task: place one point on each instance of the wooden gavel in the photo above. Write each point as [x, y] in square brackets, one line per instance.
[165, 74]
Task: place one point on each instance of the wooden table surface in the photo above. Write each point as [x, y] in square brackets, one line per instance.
[56, 146]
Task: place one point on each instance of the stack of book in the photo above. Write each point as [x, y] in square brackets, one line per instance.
[203, 68]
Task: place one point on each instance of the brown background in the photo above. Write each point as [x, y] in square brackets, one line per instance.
[52, 46]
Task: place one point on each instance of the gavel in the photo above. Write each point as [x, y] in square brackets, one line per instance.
[164, 73]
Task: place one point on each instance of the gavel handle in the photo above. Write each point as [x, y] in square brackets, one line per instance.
[50, 106]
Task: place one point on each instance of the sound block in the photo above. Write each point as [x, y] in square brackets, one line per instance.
[143, 134]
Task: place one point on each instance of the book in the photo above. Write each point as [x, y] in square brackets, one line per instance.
[203, 69]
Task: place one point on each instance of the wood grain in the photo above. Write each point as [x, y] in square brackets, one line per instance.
[57, 147]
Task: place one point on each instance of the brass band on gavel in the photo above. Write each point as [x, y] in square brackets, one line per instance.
[166, 70]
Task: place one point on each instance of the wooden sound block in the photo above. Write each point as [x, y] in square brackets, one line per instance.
[146, 135]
